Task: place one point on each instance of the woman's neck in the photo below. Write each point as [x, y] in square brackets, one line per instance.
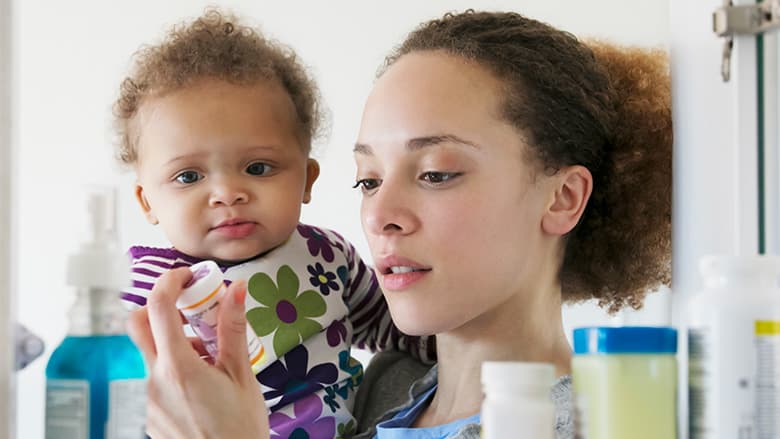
[527, 328]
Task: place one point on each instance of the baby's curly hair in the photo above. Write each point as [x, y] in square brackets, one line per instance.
[598, 105]
[215, 45]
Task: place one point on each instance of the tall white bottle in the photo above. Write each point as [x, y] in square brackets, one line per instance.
[734, 349]
[518, 401]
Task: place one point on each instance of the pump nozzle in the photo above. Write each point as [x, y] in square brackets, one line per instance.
[99, 262]
[101, 206]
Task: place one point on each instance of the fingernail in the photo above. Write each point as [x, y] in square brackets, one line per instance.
[239, 294]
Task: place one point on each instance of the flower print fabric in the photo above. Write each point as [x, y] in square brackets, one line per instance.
[306, 422]
[293, 378]
[284, 311]
[309, 301]
[317, 242]
[325, 280]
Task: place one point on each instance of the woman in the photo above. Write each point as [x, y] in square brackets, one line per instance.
[505, 168]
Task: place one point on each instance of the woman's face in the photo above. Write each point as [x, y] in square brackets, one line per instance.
[451, 207]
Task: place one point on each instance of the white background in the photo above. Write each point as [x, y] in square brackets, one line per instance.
[69, 57]
[6, 318]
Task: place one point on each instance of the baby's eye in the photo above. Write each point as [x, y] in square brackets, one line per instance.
[188, 177]
[258, 168]
[435, 177]
[367, 184]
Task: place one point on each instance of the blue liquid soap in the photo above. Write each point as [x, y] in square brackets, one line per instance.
[80, 373]
[95, 385]
[95, 378]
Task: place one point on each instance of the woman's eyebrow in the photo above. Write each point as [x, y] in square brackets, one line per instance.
[420, 143]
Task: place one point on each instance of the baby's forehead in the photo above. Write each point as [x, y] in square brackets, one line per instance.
[257, 113]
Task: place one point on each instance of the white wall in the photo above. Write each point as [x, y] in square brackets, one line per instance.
[72, 55]
[6, 310]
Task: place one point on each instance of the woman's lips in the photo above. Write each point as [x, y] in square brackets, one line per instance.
[398, 273]
[402, 281]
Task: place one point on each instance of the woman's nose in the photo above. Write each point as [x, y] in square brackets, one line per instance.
[389, 211]
[227, 192]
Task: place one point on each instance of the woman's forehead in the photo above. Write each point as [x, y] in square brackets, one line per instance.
[430, 94]
[437, 75]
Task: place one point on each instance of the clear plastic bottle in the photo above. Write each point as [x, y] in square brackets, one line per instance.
[517, 400]
[28, 346]
[199, 303]
[95, 379]
[625, 382]
[734, 349]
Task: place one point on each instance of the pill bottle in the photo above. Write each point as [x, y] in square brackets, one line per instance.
[625, 382]
[199, 303]
[517, 401]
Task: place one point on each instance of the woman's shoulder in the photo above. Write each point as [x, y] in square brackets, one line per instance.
[392, 382]
[563, 400]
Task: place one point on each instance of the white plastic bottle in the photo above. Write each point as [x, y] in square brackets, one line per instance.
[734, 349]
[517, 400]
[199, 303]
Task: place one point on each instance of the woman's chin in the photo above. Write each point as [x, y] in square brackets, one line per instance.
[419, 324]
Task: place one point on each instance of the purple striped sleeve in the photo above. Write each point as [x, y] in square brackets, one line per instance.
[146, 272]
[161, 264]
[143, 285]
[133, 298]
[148, 265]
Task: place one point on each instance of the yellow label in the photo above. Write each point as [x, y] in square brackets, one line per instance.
[767, 327]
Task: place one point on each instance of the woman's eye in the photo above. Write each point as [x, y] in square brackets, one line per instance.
[188, 177]
[258, 168]
[367, 184]
[434, 177]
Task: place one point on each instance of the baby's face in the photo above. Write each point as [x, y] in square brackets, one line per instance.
[221, 169]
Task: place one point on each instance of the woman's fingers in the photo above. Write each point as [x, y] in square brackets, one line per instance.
[198, 345]
[164, 317]
[233, 356]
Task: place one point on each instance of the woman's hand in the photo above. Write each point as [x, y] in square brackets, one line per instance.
[187, 397]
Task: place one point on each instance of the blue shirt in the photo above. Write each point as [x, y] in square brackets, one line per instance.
[399, 427]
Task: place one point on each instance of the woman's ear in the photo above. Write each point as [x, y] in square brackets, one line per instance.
[572, 187]
[145, 206]
[312, 172]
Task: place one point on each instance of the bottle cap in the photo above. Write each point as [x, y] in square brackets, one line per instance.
[515, 375]
[625, 340]
[99, 263]
[715, 269]
[206, 282]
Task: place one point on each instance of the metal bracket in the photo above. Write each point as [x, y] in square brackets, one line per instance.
[730, 20]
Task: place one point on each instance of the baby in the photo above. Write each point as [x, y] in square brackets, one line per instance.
[217, 123]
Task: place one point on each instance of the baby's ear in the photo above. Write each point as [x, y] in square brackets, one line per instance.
[145, 206]
[312, 172]
[571, 189]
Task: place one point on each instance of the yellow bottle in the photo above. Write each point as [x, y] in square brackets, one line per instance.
[625, 382]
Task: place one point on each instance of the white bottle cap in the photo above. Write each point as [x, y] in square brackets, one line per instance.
[513, 376]
[98, 262]
[716, 269]
[207, 281]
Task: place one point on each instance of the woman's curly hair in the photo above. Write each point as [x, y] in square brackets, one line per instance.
[214, 45]
[598, 105]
